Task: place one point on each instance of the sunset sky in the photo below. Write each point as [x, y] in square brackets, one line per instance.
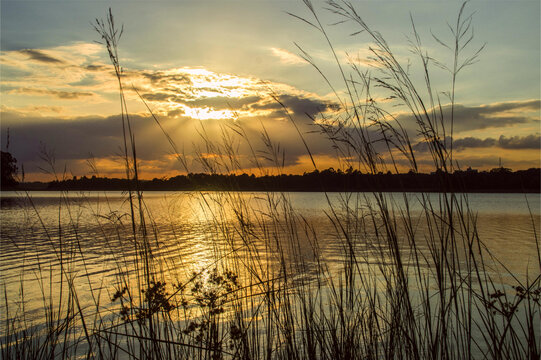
[200, 65]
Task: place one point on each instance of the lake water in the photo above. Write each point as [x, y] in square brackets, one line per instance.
[88, 236]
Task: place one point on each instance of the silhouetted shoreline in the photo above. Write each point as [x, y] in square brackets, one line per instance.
[497, 180]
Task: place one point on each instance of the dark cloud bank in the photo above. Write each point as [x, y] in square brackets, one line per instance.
[503, 142]
[77, 138]
[468, 118]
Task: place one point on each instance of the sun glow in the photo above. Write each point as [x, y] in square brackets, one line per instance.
[199, 93]
[208, 113]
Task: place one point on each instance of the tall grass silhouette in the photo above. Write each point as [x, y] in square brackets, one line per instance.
[414, 279]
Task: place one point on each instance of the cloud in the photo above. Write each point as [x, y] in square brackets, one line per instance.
[503, 142]
[473, 142]
[72, 72]
[158, 96]
[96, 67]
[176, 112]
[263, 104]
[10, 72]
[517, 142]
[496, 115]
[502, 114]
[532, 105]
[208, 93]
[40, 56]
[287, 57]
[158, 77]
[214, 102]
[221, 103]
[183, 96]
[295, 105]
[86, 80]
[304, 105]
[66, 95]
[186, 91]
[74, 138]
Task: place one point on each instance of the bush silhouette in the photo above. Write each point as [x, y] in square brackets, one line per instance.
[9, 170]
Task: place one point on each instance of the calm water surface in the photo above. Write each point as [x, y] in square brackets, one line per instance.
[90, 233]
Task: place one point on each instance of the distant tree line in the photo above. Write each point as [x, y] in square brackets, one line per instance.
[8, 169]
[496, 180]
